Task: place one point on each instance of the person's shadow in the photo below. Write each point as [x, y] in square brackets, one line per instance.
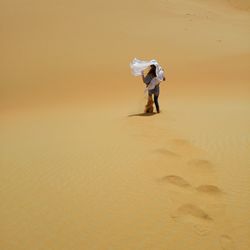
[143, 114]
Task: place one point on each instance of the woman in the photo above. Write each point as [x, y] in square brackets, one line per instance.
[153, 85]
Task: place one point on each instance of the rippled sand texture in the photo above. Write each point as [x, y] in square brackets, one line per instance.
[82, 167]
[76, 179]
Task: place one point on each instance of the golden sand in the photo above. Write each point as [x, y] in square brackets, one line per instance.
[82, 167]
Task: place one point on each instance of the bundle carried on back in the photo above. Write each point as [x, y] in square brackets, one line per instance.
[137, 66]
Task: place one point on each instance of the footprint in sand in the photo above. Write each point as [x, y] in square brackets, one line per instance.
[198, 218]
[167, 152]
[193, 211]
[200, 164]
[181, 182]
[209, 189]
[226, 242]
[176, 180]
[184, 147]
[202, 229]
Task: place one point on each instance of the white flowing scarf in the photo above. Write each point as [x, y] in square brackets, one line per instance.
[137, 66]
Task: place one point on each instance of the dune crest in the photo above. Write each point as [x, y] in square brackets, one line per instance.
[240, 4]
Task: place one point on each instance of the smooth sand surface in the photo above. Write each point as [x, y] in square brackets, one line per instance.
[82, 167]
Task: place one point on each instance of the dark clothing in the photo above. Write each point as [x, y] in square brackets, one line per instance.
[155, 91]
[148, 78]
[156, 102]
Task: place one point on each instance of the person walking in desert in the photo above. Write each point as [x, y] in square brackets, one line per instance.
[152, 80]
[153, 86]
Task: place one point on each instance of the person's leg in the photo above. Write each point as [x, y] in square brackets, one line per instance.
[156, 103]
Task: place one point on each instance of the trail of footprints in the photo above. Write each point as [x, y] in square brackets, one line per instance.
[180, 182]
[201, 220]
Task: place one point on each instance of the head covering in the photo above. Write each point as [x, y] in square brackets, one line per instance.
[137, 66]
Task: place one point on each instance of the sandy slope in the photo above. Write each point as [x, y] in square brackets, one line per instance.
[110, 178]
[63, 49]
[82, 168]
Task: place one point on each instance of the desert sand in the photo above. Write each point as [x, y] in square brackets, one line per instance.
[82, 167]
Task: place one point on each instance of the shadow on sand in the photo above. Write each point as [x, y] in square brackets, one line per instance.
[142, 114]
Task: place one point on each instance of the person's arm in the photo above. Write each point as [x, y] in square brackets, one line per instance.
[142, 76]
[146, 79]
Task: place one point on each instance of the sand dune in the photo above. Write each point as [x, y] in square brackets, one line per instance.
[66, 50]
[82, 167]
[242, 4]
[75, 178]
